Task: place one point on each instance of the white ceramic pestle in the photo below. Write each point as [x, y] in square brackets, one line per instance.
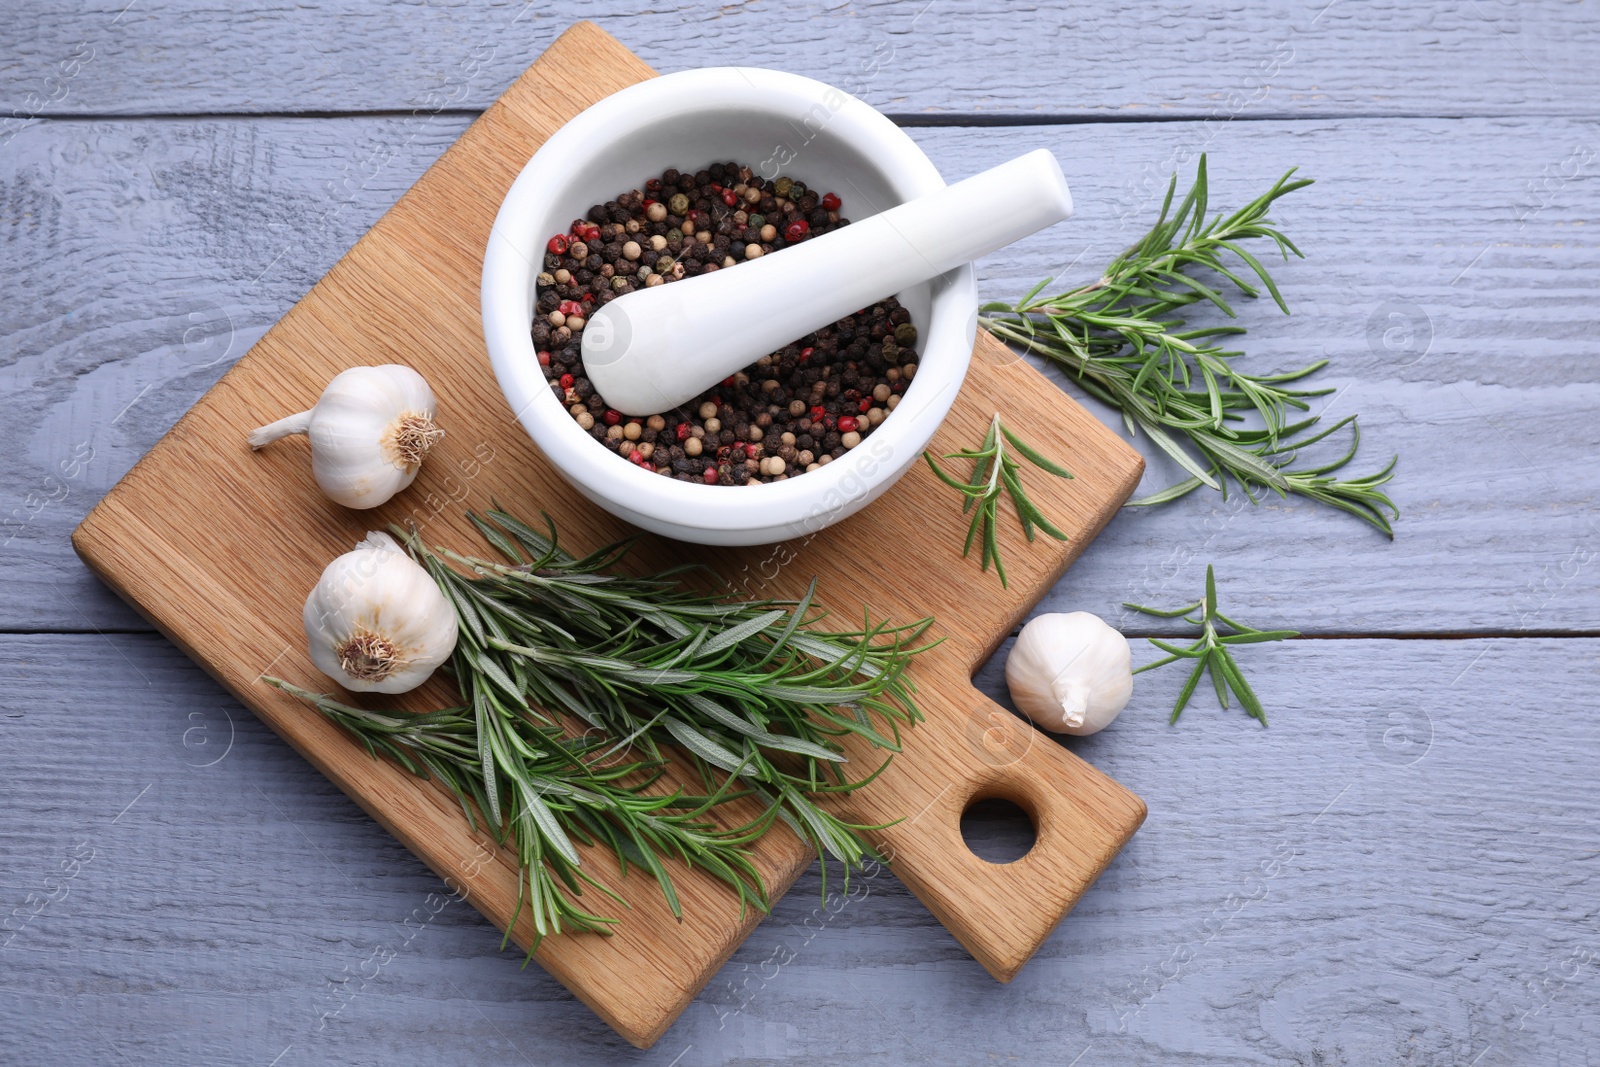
[653, 349]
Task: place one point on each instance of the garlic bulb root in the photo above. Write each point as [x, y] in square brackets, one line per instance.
[370, 432]
[376, 621]
[1070, 673]
[409, 437]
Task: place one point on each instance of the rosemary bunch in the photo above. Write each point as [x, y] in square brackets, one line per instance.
[1126, 340]
[563, 790]
[751, 691]
[752, 696]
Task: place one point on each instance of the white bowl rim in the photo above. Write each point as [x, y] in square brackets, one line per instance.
[508, 278]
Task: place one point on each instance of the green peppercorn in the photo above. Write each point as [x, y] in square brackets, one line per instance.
[796, 190]
[756, 221]
[678, 205]
[782, 186]
[905, 334]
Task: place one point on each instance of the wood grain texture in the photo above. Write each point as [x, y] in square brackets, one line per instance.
[955, 60]
[216, 545]
[149, 255]
[1411, 912]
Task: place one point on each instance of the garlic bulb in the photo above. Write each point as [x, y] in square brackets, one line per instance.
[1070, 673]
[369, 433]
[376, 621]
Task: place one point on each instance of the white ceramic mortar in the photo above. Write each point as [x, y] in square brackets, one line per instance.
[780, 124]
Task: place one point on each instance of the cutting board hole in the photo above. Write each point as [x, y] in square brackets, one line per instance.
[997, 830]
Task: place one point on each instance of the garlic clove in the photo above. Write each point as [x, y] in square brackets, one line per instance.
[376, 621]
[1070, 673]
[370, 432]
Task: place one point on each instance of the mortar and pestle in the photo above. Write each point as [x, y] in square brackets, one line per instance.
[650, 350]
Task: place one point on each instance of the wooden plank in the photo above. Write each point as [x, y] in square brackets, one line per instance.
[216, 545]
[1426, 909]
[133, 240]
[1160, 60]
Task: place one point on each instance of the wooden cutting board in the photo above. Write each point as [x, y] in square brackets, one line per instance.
[218, 546]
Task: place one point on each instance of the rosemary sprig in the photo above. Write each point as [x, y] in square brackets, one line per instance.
[1210, 652]
[994, 472]
[1126, 340]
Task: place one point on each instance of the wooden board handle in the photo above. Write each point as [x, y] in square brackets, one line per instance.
[972, 749]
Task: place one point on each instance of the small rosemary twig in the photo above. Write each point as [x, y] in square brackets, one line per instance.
[1210, 652]
[994, 472]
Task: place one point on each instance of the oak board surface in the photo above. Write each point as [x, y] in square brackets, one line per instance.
[217, 545]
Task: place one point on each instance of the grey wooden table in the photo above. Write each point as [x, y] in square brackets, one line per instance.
[1404, 868]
